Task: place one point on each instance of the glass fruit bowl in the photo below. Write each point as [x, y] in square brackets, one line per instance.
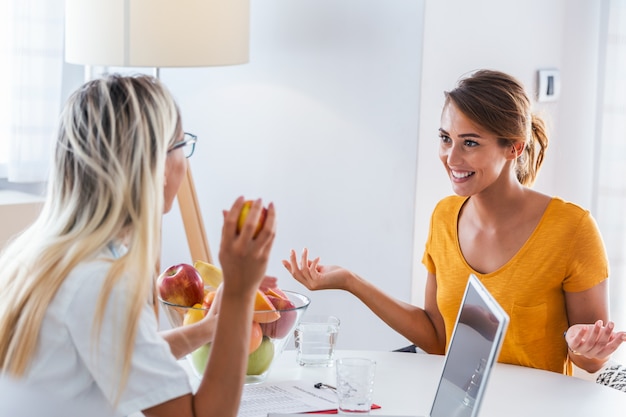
[275, 318]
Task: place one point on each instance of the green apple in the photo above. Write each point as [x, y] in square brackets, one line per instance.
[260, 360]
[200, 357]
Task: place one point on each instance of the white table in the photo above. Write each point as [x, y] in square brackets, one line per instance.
[406, 383]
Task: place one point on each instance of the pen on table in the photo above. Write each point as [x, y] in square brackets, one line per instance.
[321, 385]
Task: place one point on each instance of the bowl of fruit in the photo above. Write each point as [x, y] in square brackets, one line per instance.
[186, 294]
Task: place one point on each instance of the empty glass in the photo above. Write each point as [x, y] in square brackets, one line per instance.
[355, 385]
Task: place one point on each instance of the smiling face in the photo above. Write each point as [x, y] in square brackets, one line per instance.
[475, 159]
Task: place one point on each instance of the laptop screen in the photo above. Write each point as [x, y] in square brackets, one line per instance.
[473, 349]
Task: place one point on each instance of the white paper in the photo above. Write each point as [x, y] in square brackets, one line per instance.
[285, 397]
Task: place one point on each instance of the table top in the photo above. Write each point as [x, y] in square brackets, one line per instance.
[406, 384]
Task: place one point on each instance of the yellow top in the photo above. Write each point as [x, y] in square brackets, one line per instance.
[564, 253]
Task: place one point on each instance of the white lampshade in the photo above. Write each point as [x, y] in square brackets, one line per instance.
[157, 33]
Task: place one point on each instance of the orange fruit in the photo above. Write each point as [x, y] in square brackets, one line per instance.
[264, 310]
[256, 337]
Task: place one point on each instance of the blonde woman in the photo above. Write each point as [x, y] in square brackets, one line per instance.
[77, 315]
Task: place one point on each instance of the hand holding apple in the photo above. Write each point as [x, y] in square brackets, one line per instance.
[242, 257]
[243, 215]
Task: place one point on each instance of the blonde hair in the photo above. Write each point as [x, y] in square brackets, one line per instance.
[106, 184]
[499, 103]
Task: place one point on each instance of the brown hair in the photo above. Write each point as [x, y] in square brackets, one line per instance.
[498, 102]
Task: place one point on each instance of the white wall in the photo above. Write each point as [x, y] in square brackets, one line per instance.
[323, 122]
[335, 120]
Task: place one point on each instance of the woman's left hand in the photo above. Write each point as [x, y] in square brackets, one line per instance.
[594, 341]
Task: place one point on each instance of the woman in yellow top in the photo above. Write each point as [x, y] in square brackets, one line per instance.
[541, 257]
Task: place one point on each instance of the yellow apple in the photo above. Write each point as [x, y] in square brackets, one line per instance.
[193, 315]
[247, 205]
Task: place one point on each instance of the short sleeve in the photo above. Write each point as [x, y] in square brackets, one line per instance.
[427, 258]
[588, 262]
[155, 374]
[442, 235]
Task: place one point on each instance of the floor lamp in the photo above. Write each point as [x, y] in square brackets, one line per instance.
[158, 34]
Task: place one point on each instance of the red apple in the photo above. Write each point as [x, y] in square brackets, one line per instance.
[281, 327]
[181, 285]
[247, 205]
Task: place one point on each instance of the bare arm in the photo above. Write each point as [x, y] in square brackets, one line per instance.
[423, 327]
[185, 339]
[591, 345]
[244, 261]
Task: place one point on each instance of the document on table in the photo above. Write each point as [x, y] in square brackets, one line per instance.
[285, 397]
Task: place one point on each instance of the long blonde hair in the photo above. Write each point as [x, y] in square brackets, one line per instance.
[106, 184]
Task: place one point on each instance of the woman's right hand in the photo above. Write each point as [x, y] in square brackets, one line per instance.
[244, 257]
[315, 276]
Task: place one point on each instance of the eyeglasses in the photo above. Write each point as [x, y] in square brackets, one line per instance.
[188, 144]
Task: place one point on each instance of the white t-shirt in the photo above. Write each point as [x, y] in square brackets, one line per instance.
[68, 364]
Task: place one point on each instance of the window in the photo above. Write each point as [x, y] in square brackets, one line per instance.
[32, 50]
[6, 32]
[610, 199]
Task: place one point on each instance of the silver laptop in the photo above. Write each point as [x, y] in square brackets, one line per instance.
[474, 348]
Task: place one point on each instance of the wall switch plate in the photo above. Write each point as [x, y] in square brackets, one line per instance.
[548, 85]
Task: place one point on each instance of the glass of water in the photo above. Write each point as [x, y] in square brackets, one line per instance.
[315, 337]
[355, 385]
